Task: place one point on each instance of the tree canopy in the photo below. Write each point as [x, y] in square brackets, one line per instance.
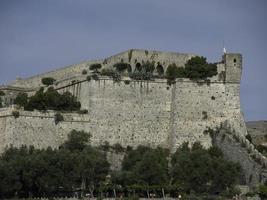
[48, 100]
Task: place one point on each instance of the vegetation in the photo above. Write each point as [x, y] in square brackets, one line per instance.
[1, 105]
[95, 67]
[27, 171]
[2, 93]
[15, 113]
[21, 99]
[58, 118]
[196, 68]
[76, 165]
[49, 100]
[203, 170]
[121, 67]
[84, 72]
[48, 81]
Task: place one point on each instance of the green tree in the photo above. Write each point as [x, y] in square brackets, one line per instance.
[121, 66]
[77, 141]
[95, 67]
[48, 81]
[145, 166]
[198, 68]
[21, 99]
[203, 170]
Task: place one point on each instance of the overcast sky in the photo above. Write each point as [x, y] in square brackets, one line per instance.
[41, 35]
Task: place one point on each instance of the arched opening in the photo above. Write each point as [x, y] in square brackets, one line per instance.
[160, 70]
[129, 68]
[138, 67]
[234, 60]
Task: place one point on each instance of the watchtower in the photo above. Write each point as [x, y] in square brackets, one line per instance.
[233, 67]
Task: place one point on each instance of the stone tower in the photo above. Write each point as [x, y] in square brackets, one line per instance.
[233, 66]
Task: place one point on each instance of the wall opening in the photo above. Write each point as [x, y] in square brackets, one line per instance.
[234, 60]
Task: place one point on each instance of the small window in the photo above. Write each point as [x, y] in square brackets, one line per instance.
[234, 60]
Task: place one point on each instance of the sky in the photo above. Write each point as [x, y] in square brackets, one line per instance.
[37, 36]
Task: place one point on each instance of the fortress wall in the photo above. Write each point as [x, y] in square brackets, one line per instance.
[199, 107]
[62, 73]
[164, 58]
[130, 56]
[134, 114]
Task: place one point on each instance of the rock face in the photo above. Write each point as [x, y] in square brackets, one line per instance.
[142, 112]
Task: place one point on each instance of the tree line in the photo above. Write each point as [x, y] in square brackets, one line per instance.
[77, 166]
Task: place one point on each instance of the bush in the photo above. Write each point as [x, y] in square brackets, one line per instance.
[88, 78]
[15, 113]
[21, 99]
[84, 111]
[171, 72]
[95, 67]
[48, 81]
[118, 148]
[126, 82]
[52, 100]
[2, 93]
[141, 75]
[198, 68]
[122, 66]
[95, 77]
[203, 170]
[107, 72]
[84, 72]
[58, 118]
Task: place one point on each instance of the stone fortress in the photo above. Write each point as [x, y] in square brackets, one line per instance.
[150, 113]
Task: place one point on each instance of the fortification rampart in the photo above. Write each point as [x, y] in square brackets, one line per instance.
[142, 112]
[131, 57]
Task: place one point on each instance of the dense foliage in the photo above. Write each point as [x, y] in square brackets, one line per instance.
[203, 170]
[76, 165]
[122, 67]
[21, 99]
[48, 81]
[1, 105]
[48, 100]
[195, 68]
[95, 67]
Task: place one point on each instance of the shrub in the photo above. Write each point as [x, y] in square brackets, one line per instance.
[148, 67]
[118, 148]
[21, 99]
[198, 68]
[105, 146]
[95, 77]
[52, 100]
[2, 93]
[15, 113]
[88, 78]
[141, 75]
[84, 111]
[121, 66]
[84, 72]
[171, 71]
[107, 72]
[58, 118]
[95, 67]
[1, 105]
[126, 82]
[48, 81]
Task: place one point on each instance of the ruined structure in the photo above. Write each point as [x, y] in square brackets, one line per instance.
[132, 112]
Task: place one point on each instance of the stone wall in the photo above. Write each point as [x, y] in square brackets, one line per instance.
[132, 57]
[139, 113]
